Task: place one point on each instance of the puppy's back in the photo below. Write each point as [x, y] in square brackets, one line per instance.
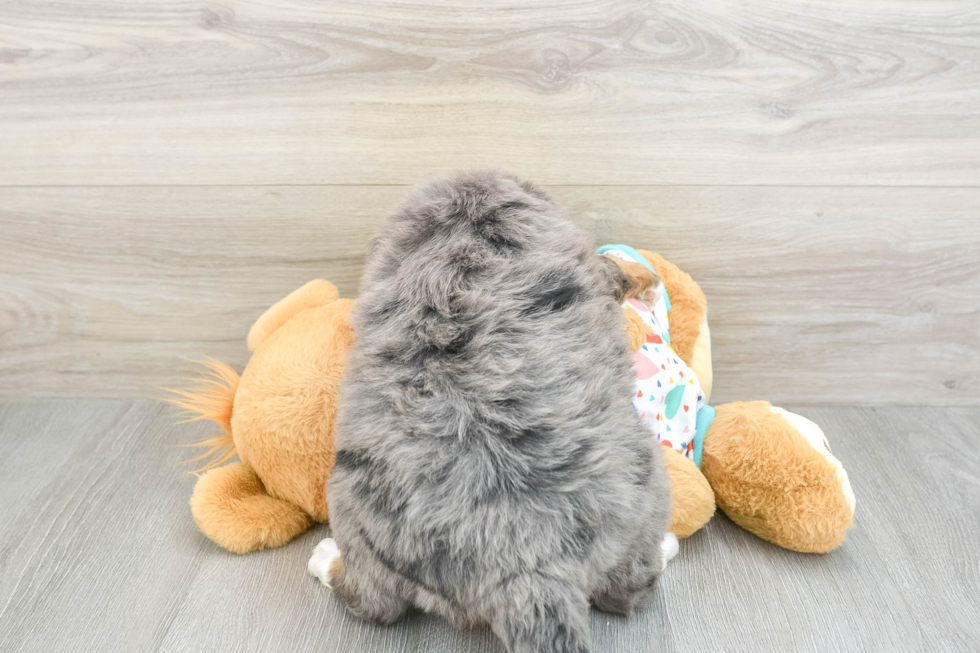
[489, 464]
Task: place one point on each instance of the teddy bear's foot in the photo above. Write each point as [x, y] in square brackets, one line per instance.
[694, 501]
[773, 474]
[322, 561]
[230, 506]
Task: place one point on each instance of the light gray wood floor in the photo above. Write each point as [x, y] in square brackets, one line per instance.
[98, 552]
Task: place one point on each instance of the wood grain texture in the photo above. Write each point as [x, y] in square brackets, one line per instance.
[852, 296]
[99, 553]
[108, 92]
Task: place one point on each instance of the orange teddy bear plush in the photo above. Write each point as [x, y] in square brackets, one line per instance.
[278, 417]
[769, 470]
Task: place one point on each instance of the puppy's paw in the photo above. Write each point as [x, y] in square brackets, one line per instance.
[669, 546]
[324, 555]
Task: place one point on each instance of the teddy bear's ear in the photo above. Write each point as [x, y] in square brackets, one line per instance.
[629, 279]
[314, 293]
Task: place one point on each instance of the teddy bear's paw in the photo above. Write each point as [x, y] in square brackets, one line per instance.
[773, 474]
[670, 547]
[816, 439]
[324, 555]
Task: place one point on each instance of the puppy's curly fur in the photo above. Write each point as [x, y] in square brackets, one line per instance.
[490, 467]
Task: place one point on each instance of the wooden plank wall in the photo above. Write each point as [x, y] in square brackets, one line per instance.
[167, 171]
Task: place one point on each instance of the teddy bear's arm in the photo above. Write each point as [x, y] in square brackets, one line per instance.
[701, 358]
[636, 330]
[689, 335]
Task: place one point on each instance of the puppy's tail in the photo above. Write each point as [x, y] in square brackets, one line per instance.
[538, 614]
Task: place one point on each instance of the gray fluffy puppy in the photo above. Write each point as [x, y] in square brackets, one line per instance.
[490, 467]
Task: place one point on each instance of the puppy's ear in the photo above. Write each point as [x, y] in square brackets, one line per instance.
[629, 279]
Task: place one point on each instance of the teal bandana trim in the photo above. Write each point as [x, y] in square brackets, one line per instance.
[705, 416]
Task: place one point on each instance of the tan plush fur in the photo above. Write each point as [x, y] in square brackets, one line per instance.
[701, 359]
[286, 404]
[689, 335]
[694, 502]
[230, 505]
[635, 329]
[770, 481]
[314, 293]
[279, 419]
[687, 305]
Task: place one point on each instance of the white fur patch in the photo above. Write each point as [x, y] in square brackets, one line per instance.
[670, 547]
[323, 556]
